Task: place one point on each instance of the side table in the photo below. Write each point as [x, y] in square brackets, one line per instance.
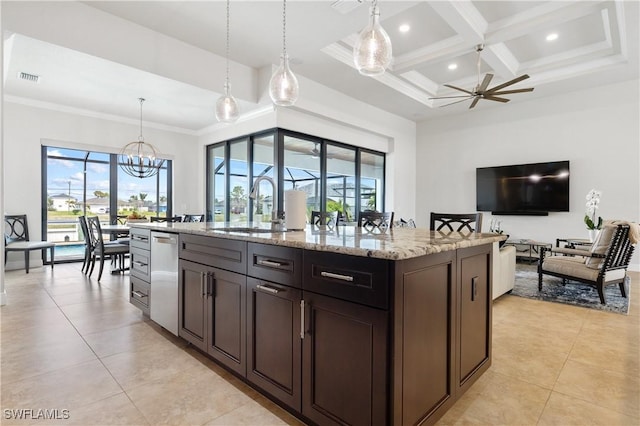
[528, 249]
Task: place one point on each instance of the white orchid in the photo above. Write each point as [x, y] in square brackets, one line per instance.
[593, 200]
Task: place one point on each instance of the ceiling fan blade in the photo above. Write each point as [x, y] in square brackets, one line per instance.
[458, 88]
[485, 82]
[456, 102]
[495, 98]
[509, 83]
[452, 97]
[508, 92]
[475, 101]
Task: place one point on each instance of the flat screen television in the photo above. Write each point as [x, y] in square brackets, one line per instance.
[526, 189]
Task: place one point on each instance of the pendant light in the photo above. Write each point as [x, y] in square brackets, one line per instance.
[283, 87]
[140, 159]
[226, 106]
[372, 51]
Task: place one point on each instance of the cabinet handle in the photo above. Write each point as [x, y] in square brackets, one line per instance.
[474, 288]
[268, 289]
[138, 294]
[139, 238]
[202, 275]
[269, 263]
[337, 276]
[138, 263]
[302, 319]
[211, 284]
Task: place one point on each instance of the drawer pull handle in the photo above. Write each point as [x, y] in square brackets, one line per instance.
[138, 294]
[140, 238]
[268, 289]
[138, 263]
[302, 319]
[337, 276]
[269, 263]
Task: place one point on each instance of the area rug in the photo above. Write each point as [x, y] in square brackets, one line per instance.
[573, 293]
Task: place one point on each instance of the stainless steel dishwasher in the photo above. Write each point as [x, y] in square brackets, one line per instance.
[164, 280]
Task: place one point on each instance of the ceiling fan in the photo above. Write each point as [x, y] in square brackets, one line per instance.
[481, 90]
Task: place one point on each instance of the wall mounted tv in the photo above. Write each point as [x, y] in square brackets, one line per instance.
[523, 189]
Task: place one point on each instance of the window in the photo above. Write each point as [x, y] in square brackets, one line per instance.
[335, 176]
[79, 182]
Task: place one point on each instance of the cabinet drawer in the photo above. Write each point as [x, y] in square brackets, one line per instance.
[282, 265]
[357, 279]
[218, 252]
[140, 266]
[140, 238]
[140, 294]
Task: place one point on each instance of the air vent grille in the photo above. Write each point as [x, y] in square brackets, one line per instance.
[29, 77]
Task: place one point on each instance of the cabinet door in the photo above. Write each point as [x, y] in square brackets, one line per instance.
[274, 348]
[344, 362]
[475, 313]
[191, 302]
[226, 308]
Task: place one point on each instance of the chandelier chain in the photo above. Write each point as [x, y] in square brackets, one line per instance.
[141, 138]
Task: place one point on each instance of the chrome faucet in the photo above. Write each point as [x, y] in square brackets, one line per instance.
[276, 219]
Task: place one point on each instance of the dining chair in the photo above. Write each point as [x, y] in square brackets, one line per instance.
[87, 244]
[16, 238]
[456, 222]
[375, 220]
[329, 219]
[166, 219]
[193, 218]
[101, 249]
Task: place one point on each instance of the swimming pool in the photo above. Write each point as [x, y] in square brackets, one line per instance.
[69, 250]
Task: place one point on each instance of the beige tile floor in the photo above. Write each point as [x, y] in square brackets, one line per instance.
[71, 343]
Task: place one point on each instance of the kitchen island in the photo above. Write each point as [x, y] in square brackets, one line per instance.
[340, 326]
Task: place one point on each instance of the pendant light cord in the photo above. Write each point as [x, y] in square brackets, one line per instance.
[141, 138]
[284, 28]
[227, 78]
[479, 49]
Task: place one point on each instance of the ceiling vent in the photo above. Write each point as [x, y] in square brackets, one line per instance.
[29, 77]
[345, 6]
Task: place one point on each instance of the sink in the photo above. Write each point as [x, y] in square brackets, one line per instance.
[248, 230]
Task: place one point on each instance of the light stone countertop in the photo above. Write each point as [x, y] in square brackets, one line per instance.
[394, 244]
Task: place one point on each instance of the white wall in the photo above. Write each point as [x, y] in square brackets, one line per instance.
[598, 131]
[27, 127]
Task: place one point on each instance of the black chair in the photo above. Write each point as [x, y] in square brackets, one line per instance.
[451, 222]
[193, 218]
[329, 219]
[87, 244]
[16, 238]
[100, 248]
[166, 219]
[375, 220]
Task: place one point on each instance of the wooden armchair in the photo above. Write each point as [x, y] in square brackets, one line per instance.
[16, 238]
[605, 264]
[329, 219]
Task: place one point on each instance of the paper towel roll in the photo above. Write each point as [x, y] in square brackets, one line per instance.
[295, 209]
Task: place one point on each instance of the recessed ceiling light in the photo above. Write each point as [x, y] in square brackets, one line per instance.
[552, 36]
[452, 66]
[404, 28]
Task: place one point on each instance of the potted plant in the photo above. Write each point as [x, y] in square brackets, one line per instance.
[593, 225]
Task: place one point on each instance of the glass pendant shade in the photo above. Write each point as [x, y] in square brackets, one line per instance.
[372, 51]
[227, 107]
[283, 87]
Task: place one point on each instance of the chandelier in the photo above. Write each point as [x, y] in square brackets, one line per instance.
[226, 106]
[372, 51]
[283, 87]
[140, 159]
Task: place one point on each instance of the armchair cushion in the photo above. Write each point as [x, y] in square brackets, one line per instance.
[600, 246]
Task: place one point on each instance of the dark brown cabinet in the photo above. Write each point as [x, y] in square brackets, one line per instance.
[212, 301]
[344, 362]
[273, 340]
[474, 349]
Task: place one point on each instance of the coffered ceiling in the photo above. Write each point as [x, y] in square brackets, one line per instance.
[596, 44]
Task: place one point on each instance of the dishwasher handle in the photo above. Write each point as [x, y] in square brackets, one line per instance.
[165, 240]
